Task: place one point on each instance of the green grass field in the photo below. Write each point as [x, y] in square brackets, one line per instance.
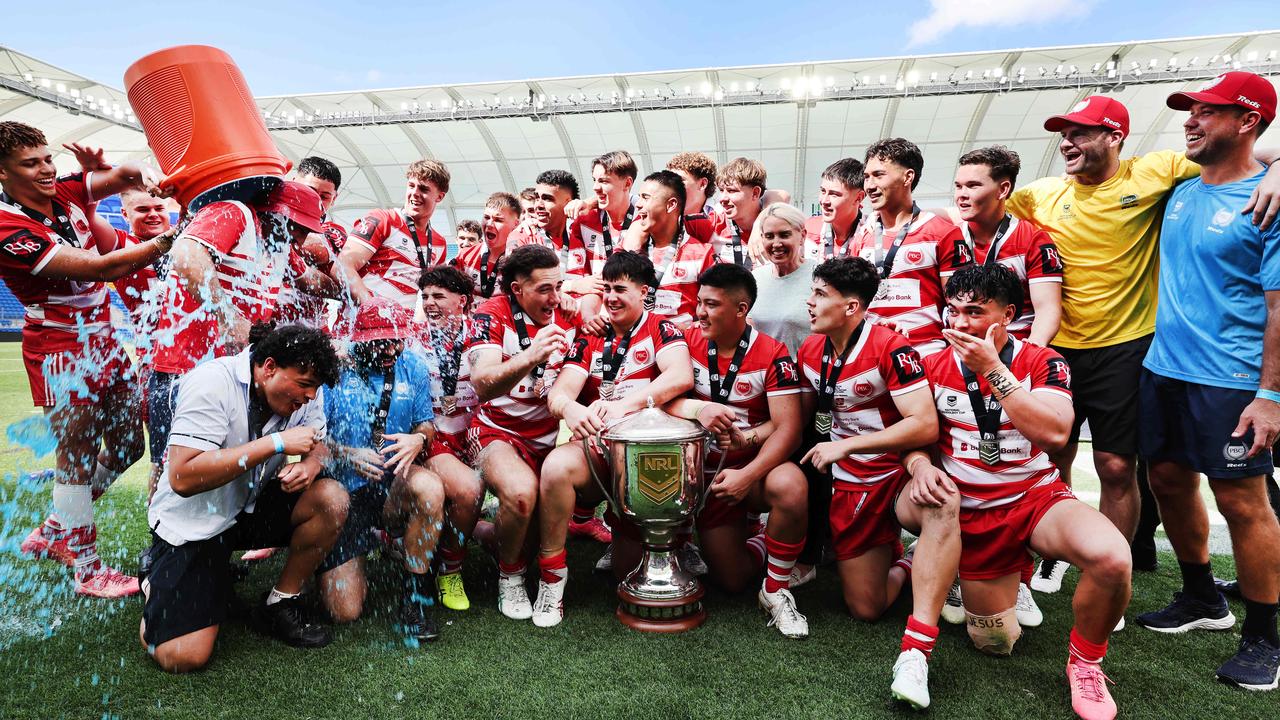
[64, 657]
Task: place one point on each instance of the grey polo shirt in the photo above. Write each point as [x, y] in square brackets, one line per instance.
[213, 412]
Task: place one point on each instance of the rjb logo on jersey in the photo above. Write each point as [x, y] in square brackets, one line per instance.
[22, 245]
[908, 366]
[1059, 373]
[1050, 260]
[787, 374]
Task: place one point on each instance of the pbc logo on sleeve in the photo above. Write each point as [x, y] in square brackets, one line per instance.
[906, 362]
[1059, 373]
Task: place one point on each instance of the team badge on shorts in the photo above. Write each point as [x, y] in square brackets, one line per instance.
[1235, 452]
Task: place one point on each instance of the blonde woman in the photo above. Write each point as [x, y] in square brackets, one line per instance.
[782, 275]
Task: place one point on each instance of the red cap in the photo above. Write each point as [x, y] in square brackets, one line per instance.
[381, 319]
[1249, 91]
[299, 203]
[1094, 111]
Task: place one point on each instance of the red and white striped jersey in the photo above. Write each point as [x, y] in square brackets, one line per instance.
[1027, 250]
[702, 226]
[249, 273]
[439, 346]
[142, 294]
[653, 336]
[677, 294]
[296, 305]
[881, 365]
[468, 261]
[816, 231]
[523, 411]
[573, 257]
[56, 308]
[722, 241]
[767, 371]
[1022, 465]
[394, 268]
[912, 294]
[589, 228]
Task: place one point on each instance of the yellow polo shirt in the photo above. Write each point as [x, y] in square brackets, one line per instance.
[1107, 235]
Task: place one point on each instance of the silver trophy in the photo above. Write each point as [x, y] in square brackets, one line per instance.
[655, 481]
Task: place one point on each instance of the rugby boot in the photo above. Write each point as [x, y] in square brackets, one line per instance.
[1090, 698]
[781, 608]
[953, 608]
[911, 679]
[593, 529]
[40, 547]
[548, 609]
[452, 594]
[107, 583]
[513, 599]
[1048, 577]
[287, 621]
[1028, 612]
[1187, 613]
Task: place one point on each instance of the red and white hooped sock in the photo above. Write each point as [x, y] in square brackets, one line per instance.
[511, 570]
[1081, 650]
[919, 636]
[451, 560]
[781, 559]
[554, 568]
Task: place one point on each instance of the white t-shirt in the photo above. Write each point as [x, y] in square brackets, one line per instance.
[780, 310]
[212, 412]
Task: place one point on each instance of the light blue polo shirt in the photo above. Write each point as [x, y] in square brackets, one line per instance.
[352, 403]
[1215, 266]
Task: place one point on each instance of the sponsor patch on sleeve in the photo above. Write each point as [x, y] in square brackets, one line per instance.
[25, 247]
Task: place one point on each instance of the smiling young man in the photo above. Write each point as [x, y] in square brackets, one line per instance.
[1103, 216]
[551, 228]
[746, 393]
[840, 197]
[866, 394]
[742, 186]
[914, 251]
[79, 373]
[1003, 405]
[481, 261]
[660, 235]
[605, 377]
[602, 227]
[388, 250]
[519, 341]
[1210, 385]
[228, 485]
[447, 302]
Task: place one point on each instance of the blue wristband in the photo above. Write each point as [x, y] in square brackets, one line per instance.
[279, 441]
[1271, 395]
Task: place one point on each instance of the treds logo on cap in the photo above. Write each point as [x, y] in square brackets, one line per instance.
[1113, 123]
[1251, 103]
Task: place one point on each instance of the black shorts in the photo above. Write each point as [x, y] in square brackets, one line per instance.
[359, 535]
[1104, 391]
[1191, 424]
[162, 395]
[188, 587]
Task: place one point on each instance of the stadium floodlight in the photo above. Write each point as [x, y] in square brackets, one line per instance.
[913, 77]
[786, 83]
[45, 83]
[883, 79]
[933, 77]
[719, 95]
[1252, 56]
[404, 106]
[706, 88]
[899, 85]
[733, 86]
[830, 81]
[28, 79]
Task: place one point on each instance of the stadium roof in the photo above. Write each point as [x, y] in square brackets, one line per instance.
[795, 118]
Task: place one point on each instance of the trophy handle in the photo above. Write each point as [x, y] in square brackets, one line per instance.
[706, 489]
[598, 442]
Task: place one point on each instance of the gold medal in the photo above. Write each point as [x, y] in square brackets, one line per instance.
[989, 451]
[450, 403]
[606, 390]
[822, 423]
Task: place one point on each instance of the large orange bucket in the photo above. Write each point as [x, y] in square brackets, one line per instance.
[203, 125]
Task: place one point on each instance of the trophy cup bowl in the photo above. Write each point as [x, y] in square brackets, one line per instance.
[654, 462]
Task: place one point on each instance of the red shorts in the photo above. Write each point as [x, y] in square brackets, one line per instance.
[994, 542]
[480, 436]
[454, 444]
[81, 376]
[864, 518]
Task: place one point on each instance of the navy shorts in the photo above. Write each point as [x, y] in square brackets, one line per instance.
[359, 535]
[1191, 424]
[162, 395]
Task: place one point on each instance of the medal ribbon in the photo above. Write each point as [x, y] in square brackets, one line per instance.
[720, 390]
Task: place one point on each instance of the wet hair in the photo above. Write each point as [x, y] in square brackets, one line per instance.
[432, 171]
[1002, 162]
[559, 178]
[743, 172]
[295, 346]
[626, 265]
[470, 226]
[846, 171]
[448, 277]
[127, 193]
[671, 182]
[902, 152]
[503, 200]
[986, 283]
[618, 162]
[699, 165]
[730, 277]
[15, 136]
[321, 168]
[524, 260]
[850, 276]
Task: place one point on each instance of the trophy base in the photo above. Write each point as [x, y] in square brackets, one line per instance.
[661, 616]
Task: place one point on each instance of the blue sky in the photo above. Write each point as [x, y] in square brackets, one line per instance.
[291, 47]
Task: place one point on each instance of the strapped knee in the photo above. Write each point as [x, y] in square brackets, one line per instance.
[994, 634]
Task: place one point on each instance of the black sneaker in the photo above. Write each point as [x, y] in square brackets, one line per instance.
[417, 621]
[1186, 613]
[288, 622]
[1230, 588]
[1255, 667]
